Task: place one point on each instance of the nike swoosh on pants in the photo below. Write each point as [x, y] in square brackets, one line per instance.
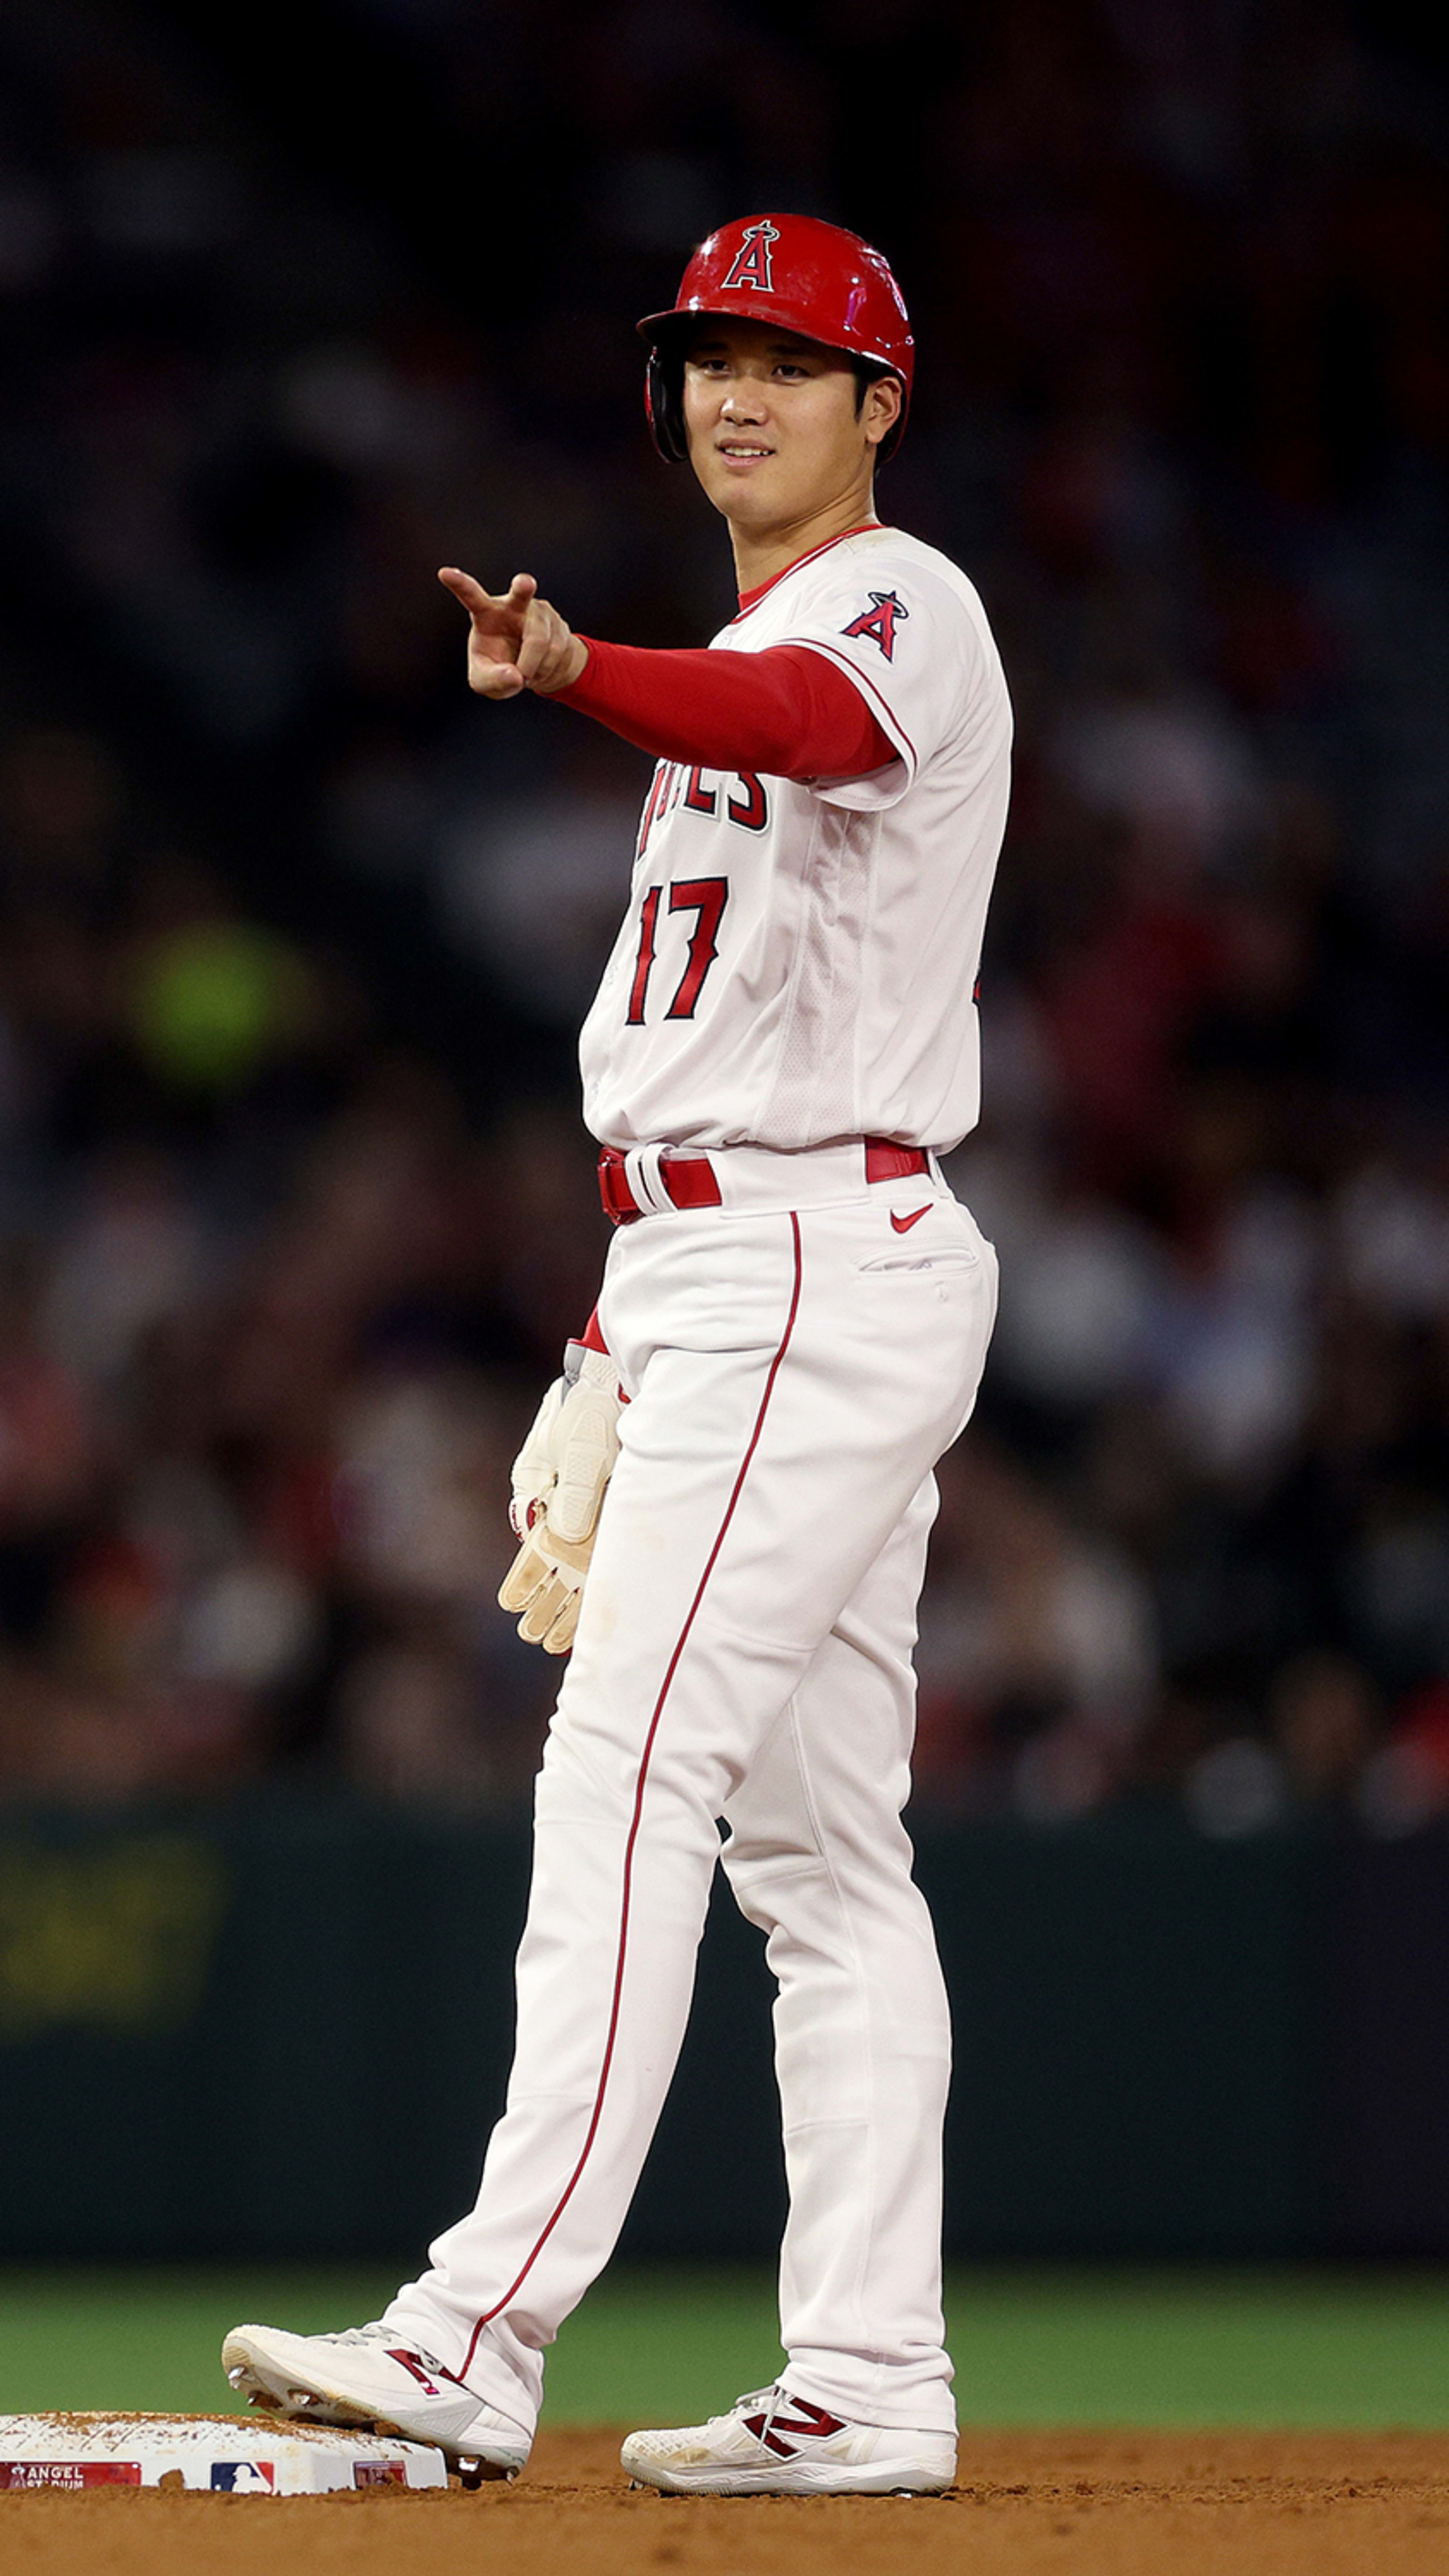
[903, 1224]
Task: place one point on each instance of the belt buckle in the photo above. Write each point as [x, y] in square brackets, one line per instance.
[615, 1195]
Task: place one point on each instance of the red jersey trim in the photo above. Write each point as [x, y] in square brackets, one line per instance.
[750, 599]
[569, 2188]
[888, 719]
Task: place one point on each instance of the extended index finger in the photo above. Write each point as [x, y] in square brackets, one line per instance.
[464, 588]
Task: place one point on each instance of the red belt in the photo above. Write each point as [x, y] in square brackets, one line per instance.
[688, 1180]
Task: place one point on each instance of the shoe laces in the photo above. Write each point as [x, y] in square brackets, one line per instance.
[767, 2397]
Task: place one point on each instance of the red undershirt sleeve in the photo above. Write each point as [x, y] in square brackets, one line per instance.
[786, 712]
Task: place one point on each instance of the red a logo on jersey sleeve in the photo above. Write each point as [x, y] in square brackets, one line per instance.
[753, 263]
[880, 621]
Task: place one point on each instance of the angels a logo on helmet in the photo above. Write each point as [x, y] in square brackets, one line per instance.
[753, 263]
[880, 621]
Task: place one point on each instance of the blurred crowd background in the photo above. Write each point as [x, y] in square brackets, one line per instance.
[296, 1209]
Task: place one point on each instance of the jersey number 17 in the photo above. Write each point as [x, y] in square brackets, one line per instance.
[706, 898]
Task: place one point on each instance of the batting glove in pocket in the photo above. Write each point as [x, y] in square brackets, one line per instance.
[559, 1479]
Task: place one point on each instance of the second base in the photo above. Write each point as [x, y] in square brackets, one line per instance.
[220, 2454]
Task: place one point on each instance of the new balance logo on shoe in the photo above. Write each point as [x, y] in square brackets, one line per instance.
[903, 1224]
[806, 2422]
[412, 2362]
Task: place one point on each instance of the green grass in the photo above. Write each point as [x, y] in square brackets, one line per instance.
[1150, 2347]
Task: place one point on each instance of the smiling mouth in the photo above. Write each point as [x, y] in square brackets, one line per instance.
[742, 454]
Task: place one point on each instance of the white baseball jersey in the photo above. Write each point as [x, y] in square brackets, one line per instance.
[798, 964]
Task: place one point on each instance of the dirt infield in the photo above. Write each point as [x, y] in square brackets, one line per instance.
[1074, 2504]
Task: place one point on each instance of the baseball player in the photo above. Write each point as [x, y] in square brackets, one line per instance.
[725, 1501]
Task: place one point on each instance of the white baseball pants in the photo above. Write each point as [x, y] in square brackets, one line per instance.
[744, 1652]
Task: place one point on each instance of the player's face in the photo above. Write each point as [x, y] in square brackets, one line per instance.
[774, 431]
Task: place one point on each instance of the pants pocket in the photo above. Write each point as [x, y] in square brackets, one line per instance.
[957, 1257]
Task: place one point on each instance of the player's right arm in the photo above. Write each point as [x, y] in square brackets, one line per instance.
[782, 713]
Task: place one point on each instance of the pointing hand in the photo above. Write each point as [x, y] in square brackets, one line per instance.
[517, 641]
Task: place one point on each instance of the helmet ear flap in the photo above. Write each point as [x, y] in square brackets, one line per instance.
[664, 402]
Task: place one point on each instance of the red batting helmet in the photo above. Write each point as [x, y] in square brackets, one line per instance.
[795, 271]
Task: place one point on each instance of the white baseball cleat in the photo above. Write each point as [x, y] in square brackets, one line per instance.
[372, 2375]
[771, 2443]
